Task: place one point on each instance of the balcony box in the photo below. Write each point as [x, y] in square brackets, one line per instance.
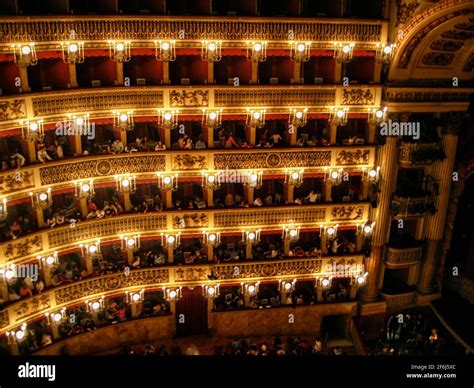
[416, 154]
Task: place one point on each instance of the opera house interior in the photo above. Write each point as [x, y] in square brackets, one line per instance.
[223, 177]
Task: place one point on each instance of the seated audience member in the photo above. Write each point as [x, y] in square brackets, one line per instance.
[117, 147]
[42, 154]
[160, 146]
[17, 160]
[200, 145]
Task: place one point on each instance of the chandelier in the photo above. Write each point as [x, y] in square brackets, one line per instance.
[294, 178]
[376, 116]
[51, 260]
[168, 119]
[298, 118]
[77, 125]
[211, 51]
[291, 233]
[365, 230]
[210, 291]
[123, 121]
[338, 116]
[300, 51]
[167, 182]
[251, 236]
[211, 238]
[371, 175]
[257, 51]
[73, 52]
[170, 240]
[90, 250]
[32, 130]
[42, 200]
[135, 297]
[172, 293]
[329, 231]
[287, 286]
[3, 210]
[130, 243]
[25, 54]
[385, 52]
[334, 176]
[343, 52]
[253, 179]
[256, 118]
[126, 184]
[165, 51]
[84, 190]
[120, 51]
[210, 180]
[250, 289]
[212, 119]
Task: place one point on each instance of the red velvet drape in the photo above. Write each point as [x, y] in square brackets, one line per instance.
[193, 308]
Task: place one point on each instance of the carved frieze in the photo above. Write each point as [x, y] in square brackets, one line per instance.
[12, 110]
[189, 97]
[356, 157]
[23, 247]
[347, 213]
[16, 180]
[189, 162]
[194, 220]
[437, 59]
[31, 306]
[357, 97]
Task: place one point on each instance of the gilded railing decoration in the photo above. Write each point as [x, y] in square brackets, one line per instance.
[189, 162]
[4, 320]
[23, 247]
[399, 300]
[345, 213]
[16, 180]
[101, 167]
[93, 28]
[12, 110]
[106, 227]
[139, 278]
[357, 97]
[403, 256]
[394, 94]
[277, 96]
[272, 160]
[27, 307]
[189, 98]
[98, 100]
[193, 220]
[356, 157]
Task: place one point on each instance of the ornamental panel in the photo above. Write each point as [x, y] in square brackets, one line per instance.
[16, 180]
[355, 157]
[31, 306]
[12, 110]
[23, 247]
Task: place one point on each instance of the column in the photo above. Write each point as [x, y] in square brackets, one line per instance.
[165, 137]
[166, 73]
[324, 244]
[210, 252]
[25, 85]
[327, 191]
[209, 197]
[388, 160]
[4, 289]
[39, 216]
[127, 204]
[372, 135]
[76, 144]
[47, 275]
[297, 72]
[89, 264]
[73, 76]
[286, 246]
[248, 250]
[135, 309]
[254, 77]
[83, 206]
[337, 72]
[30, 148]
[208, 132]
[129, 254]
[442, 170]
[122, 136]
[167, 196]
[170, 255]
[210, 307]
[332, 133]
[364, 189]
[248, 194]
[251, 132]
[289, 192]
[119, 73]
[210, 72]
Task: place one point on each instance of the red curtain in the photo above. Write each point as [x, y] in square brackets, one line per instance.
[192, 307]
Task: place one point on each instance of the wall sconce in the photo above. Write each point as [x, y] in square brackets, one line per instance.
[211, 238]
[172, 293]
[361, 279]
[8, 273]
[371, 175]
[250, 236]
[170, 240]
[365, 230]
[212, 119]
[49, 261]
[73, 52]
[287, 286]
[167, 182]
[78, 125]
[135, 297]
[165, 51]
[329, 231]
[168, 119]
[210, 291]
[210, 180]
[123, 121]
[294, 178]
[130, 243]
[42, 200]
[255, 118]
[3, 209]
[385, 52]
[253, 179]
[298, 118]
[90, 249]
[32, 130]
[300, 51]
[291, 233]
[25, 54]
[377, 115]
[126, 184]
[84, 189]
[257, 51]
[338, 116]
[250, 289]
[323, 282]
[211, 51]
[56, 318]
[120, 51]
[96, 306]
[333, 176]
[343, 52]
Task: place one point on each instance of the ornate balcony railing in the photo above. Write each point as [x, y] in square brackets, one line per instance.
[152, 224]
[53, 107]
[399, 300]
[93, 29]
[412, 206]
[415, 154]
[52, 300]
[396, 257]
[145, 165]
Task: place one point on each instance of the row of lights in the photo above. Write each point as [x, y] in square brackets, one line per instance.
[33, 130]
[165, 51]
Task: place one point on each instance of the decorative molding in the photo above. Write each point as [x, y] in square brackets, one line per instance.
[189, 97]
[347, 213]
[191, 220]
[189, 162]
[27, 307]
[136, 28]
[12, 110]
[358, 97]
[445, 45]
[437, 59]
[16, 180]
[356, 157]
[405, 9]
[396, 257]
[23, 247]
[419, 95]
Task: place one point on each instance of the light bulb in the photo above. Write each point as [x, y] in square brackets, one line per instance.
[346, 49]
[340, 113]
[123, 117]
[212, 237]
[379, 114]
[254, 177]
[79, 121]
[256, 115]
[334, 175]
[120, 47]
[372, 173]
[86, 188]
[212, 115]
[211, 291]
[360, 279]
[43, 197]
[172, 294]
[50, 260]
[9, 274]
[20, 334]
[299, 115]
[167, 180]
[330, 231]
[300, 47]
[325, 282]
[367, 229]
[73, 48]
[26, 50]
[167, 116]
[287, 286]
[257, 47]
[136, 297]
[57, 317]
[131, 242]
[171, 239]
[251, 236]
[211, 46]
[211, 178]
[293, 232]
[295, 175]
[33, 127]
[387, 50]
[251, 288]
[92, 249]
[165, 46]
[95, 305]
[125, 182]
